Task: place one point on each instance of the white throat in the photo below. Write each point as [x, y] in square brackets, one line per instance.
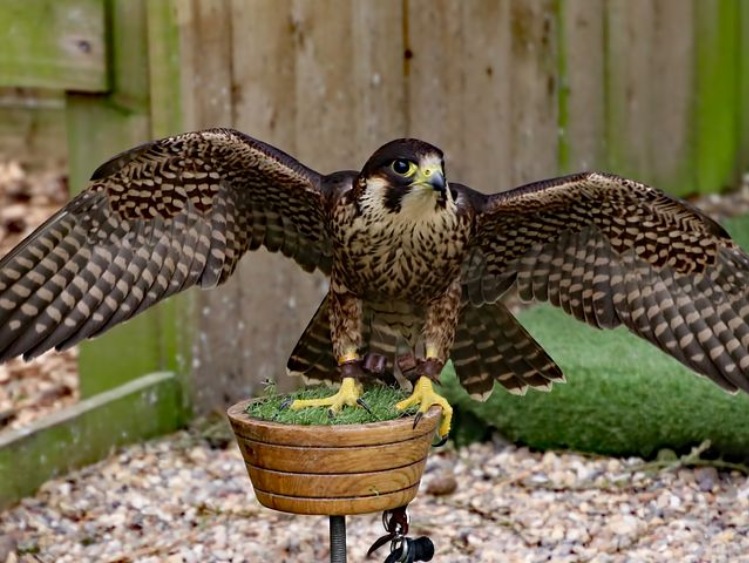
[418, 205]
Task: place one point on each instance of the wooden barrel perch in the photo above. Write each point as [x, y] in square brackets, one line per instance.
[334, 470]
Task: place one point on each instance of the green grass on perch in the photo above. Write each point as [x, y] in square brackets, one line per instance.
[380, 399]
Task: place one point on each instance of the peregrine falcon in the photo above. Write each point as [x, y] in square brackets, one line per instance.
[417, 264]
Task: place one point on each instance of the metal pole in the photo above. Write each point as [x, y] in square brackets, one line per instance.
[337, 539]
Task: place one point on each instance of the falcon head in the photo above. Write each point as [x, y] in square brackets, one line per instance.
[406, 177]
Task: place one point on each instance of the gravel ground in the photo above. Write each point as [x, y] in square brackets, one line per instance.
[177, 499]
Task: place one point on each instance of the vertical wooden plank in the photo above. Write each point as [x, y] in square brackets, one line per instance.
[177, 317]
[350, 100]
[164, 68]
[534, 90]
[435, 35]
[264, 65]
[277, 299]
[672, 96]
[99, 127]
[210, 80]
[379, 86]
[629, 50]
[458, 87]
[485, 124]
[206, 32]
[715, 136]
[187, 34]
[344, 70]
[486, 90]
[742, 162]
[325, 122]
[581, 89]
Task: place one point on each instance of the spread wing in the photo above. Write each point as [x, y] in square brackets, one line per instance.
[155, 220]
[611, 251]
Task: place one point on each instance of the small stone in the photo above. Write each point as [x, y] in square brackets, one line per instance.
[707, 478]
[441, 485]
[624, 525]
[8, 546]
[556, 534]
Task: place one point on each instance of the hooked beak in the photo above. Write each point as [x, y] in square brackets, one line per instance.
[430, 178]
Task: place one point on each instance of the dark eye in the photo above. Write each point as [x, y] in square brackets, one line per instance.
[401, 167]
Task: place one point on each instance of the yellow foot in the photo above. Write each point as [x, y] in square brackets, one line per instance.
[348, 395]
[425, 396]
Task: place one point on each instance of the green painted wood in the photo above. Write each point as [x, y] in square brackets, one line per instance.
[101, 126]
[97, 129]
[742, 160]
[32, 128]
[58, 44]
[716, 138]
[176, 316]
[86, 432]
[164, 57]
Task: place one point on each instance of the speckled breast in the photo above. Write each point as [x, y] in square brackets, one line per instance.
[413, 263]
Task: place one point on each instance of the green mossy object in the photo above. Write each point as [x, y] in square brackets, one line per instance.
[381, 401]
[622, 397]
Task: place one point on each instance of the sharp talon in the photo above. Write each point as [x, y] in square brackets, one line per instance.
[286, 403]
[364, 405]
[346, 396]
[441, 443]
[425, 396]
[417, 418]
[331, 414]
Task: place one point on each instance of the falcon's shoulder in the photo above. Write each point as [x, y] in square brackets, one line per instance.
[252, 193]
[235, 149]
[659, 228]
[157, 179]
[604, 194]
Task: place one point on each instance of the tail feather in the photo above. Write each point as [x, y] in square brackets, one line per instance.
[491, 345]
[313, 358]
